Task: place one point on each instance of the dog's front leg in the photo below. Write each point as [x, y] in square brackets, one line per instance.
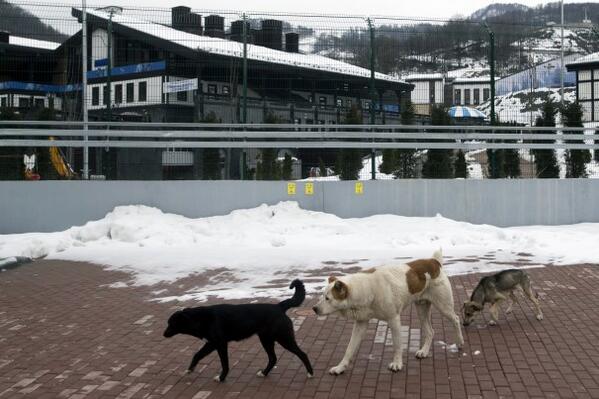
[397, 363]
[224, 361]
[207, 349]
[354, 343]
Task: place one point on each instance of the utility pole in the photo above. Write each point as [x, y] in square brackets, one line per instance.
[111, 10]
[372, 96]
[84, 88]
[561, 73]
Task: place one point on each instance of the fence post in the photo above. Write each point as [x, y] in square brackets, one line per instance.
[372, 96]
[492, 160]
[84, 88]
[245, 92]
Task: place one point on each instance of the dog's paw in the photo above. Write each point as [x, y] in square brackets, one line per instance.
[218, 379]
[260, 373]
[539, 317]
[337, 370]
[310, 375]
[395, 366]
[508, 311]
[188, 371]
[421, 354]
[492, 323]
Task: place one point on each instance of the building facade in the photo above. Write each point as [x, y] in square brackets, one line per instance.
[587, 85]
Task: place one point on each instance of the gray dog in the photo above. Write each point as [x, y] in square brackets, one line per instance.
[496, 288]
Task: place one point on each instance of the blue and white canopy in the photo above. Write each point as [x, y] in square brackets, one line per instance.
[466, 112]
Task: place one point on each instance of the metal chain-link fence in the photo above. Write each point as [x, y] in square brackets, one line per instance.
[184, 65]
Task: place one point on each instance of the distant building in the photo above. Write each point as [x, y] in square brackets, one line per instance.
[448, 89]
[27, 75]
[587, 85]
[155, 69]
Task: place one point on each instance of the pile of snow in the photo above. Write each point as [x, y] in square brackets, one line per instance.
[283, 241]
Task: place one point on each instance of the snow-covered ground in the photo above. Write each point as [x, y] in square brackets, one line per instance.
[255, 252]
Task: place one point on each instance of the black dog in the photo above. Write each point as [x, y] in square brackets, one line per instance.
[220, 324]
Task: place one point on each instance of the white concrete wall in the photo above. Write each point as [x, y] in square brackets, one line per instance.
[57, 205]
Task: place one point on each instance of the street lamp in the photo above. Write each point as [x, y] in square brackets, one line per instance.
[110, 10]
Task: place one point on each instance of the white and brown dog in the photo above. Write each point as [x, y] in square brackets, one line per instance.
[383, 293]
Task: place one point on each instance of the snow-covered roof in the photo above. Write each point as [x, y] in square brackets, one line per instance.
[34, 43]
[587, 59]
[230, 48]
[423, 76]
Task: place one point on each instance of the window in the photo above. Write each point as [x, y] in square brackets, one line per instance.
[3, 102]
[23, 102]
[457, 96]
[130, 91]
[348, 103]
[118, 94]
[322, 101]
[51, 102]
[431, 92]
[584, 75]
[476, 98]
[106, 95]
[211, 89]
[226, 90]
[142, 91]
[345, 86]
[584, 91]
[95, 95]
[486, 94]
[467, 96]
[339, 103]
[182, 96]
[39, 103]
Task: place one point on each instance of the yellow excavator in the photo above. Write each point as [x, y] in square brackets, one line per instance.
[60, 164]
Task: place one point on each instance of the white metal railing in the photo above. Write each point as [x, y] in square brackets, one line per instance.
[202, 135]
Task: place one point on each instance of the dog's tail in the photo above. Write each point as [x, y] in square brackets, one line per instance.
[438, 256]
[297, 298]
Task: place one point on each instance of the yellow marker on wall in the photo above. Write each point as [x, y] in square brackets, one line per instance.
[290, 188]
[309, 189]
[359, 188]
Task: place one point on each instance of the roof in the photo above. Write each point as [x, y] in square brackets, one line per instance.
[587, 59]
[423, 76]
[33, 43]
[223, 47]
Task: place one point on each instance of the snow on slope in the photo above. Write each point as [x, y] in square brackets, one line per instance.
[525, 105]
[282, 242]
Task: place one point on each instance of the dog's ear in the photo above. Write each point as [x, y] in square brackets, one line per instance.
[332, 278]
[340, 290]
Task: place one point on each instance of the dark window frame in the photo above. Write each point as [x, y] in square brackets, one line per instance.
[96, 95]
[118, 93]
[182, 96]
[142, 93]
[130, 92]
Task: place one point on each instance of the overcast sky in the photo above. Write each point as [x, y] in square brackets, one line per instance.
[420, 8]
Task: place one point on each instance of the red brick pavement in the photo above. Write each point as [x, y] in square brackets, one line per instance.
[64, 333]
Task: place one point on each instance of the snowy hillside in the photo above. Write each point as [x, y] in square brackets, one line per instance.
[249, 250]
[524, 106]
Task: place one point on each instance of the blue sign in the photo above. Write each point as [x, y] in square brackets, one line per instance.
[39, 87]
[101, 62]
[128, 70]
